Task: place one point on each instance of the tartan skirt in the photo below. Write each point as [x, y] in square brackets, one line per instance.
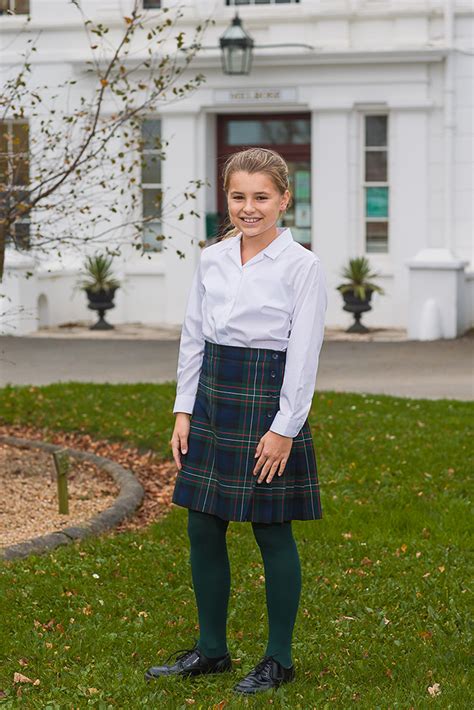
[236, 401]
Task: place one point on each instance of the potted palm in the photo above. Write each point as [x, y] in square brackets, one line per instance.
[357, 290]
[100, 286]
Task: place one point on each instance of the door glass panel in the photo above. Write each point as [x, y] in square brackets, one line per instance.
[268, 132]
[298, 216]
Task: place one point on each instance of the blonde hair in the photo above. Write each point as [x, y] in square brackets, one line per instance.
[255, 160]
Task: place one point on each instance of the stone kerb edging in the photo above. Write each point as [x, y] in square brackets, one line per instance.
[130, 496]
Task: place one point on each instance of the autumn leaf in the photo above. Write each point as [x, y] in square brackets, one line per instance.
[20, 678]
[434, 689]
[425, 634]
[104, 82]
[128, 20]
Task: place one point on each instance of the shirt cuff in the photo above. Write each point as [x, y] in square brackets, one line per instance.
[285, 426]
[184, 403]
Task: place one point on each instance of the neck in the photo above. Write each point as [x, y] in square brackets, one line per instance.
[261, 239]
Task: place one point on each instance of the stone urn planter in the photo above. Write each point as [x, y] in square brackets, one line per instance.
[357, 291]
[99, 286]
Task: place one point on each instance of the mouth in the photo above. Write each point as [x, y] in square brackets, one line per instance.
[250, 220]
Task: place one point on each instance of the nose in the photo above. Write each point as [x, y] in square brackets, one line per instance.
[248, 207]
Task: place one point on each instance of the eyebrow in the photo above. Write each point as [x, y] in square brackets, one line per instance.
[238, 192]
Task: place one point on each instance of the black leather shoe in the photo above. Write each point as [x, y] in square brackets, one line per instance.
[269, 673]
[192, 661]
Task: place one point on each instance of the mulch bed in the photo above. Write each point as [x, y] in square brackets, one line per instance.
[27, 479]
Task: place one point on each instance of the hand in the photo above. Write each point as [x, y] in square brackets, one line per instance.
[179, 439]
[272, 451]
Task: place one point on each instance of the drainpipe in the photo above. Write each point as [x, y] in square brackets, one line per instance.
[448, 124]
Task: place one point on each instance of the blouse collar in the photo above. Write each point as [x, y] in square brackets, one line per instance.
[273, 250]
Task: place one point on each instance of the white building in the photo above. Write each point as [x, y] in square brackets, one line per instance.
[375, 122]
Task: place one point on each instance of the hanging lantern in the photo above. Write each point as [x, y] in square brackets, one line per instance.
[236, 49]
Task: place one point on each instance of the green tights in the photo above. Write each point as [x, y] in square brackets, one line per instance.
[210, 571]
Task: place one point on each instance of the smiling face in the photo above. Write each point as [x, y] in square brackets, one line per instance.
[254, 203]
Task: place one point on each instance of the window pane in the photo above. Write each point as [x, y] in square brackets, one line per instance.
[20, 171]
[3, 152]
[150, 234]
[22, 7]
[151, 4]
[20, 137]
[151, 202]
[376, 201]
[377, 236]
[376, 166]
[22, 234]
[268, 132]
[151, 132]
[151, 168]
[376, 130]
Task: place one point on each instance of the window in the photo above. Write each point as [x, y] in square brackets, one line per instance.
[375, 183]
[15, 176]
[151, 184]
[14, 7]
[151, 4]
[259, 2]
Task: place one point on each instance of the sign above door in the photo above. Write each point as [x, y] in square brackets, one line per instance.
[256, 95]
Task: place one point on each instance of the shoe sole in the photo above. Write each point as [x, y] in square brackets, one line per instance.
[224, 669]
[240, 691]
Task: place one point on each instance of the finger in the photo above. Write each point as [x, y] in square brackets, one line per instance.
[183, 443]
[273, 470]
[258, 450]
[176, 456]
[265, 470]
[282, 467]
[259, 464]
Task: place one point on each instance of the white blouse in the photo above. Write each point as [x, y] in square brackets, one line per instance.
[276, 300]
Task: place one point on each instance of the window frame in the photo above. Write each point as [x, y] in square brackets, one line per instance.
[158, 248]
[375, 183]
[20, 241]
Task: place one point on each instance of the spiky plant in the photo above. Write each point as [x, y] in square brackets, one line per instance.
[358, 274]
[98, 270]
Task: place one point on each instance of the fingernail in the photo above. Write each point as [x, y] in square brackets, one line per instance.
[185, 451]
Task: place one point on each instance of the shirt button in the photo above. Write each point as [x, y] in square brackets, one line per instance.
[273, 373]
[275, 356]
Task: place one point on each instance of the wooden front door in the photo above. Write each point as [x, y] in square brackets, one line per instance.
[288, 134]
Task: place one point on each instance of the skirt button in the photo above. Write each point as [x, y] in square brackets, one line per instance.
[269, 414]
[273, 373]
[275, 356]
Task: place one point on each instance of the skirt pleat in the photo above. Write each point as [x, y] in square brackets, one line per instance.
[236, 401]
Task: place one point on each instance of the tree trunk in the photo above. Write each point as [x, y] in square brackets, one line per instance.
[3, 234]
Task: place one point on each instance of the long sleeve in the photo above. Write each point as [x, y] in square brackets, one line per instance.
[191, 348]
[302, 355]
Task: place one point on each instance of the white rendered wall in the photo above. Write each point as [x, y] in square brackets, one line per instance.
[351, 72]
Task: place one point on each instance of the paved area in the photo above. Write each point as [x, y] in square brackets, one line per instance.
[383, 362]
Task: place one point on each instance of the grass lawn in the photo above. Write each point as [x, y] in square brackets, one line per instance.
[384, 615]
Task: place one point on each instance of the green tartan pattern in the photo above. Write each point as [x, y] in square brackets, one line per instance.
[236, 400]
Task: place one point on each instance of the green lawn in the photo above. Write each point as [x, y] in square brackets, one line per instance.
[384, 612]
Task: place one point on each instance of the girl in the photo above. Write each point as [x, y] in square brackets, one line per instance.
[246, 374]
